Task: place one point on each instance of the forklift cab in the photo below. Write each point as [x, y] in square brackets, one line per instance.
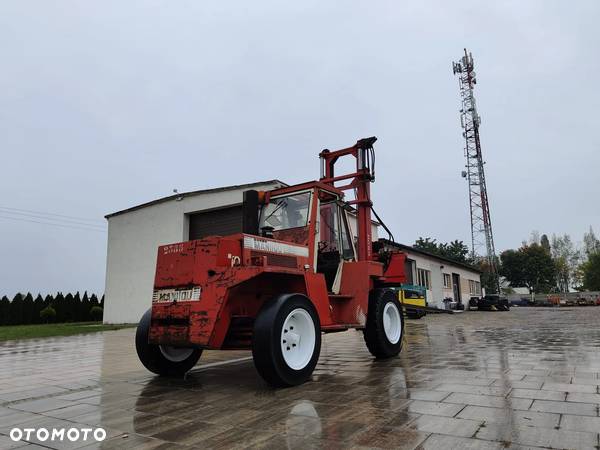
[315, 217]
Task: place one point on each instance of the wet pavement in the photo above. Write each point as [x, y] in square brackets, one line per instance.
[480, 380]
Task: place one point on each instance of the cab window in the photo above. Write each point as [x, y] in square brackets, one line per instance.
[286, 212]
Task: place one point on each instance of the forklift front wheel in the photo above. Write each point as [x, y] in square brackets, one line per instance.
[287, 340]
[163, 359]
[385, 324]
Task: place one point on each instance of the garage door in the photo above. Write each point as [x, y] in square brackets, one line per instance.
[218, 222]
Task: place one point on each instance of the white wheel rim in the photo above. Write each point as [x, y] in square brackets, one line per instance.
[298, 339]
[392, 325]
[175, 354]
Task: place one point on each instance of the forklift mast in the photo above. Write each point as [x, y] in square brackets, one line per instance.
[358, 181]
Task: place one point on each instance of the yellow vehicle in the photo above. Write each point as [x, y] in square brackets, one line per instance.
[411, 295]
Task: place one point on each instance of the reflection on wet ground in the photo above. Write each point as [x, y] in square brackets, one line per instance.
[524, 378]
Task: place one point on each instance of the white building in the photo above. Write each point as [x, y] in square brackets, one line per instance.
[443, 277]
[135, 234]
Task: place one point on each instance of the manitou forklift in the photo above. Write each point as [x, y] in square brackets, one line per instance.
[294, 272]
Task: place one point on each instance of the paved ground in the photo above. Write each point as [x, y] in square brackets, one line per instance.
[524, 378]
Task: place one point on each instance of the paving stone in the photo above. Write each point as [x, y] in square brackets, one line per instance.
[580, 409]
[133, 441]
[489, 400]
[71, 411]
[580, 423]
[443, 442]
[424, 394]
[567, 387]
[6, 443]
[446, 425]
[517, 384]
[434, 408]
[538, 437]
[578, 379]
[538, 394]
[510, 416]
[389, 437]
[468, 389]
[578, 397]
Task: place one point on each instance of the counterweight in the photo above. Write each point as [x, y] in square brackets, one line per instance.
[482, 239]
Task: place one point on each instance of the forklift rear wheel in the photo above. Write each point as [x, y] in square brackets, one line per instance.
[287, 340]
[385, 324]
[163, 359]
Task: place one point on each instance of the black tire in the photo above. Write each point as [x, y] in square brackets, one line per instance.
[154, 358]
[374, 333]
[267, 341]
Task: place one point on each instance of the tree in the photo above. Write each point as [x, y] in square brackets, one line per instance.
[85, 308]
[512, 263]
[427, 244]
[545, 242]
[455, 250]
[48, 314]
[534, 238]
[566, 260]
[591, 272]
[59, 306]
[28, 311]
[77, 312]
[591, 244]
[530, 266]
[38, 305]
[69, 309]
[96, 313]
[16, 310]
[488, 279]
[4, 310]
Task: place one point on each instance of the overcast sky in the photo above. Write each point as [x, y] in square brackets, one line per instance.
[108, 104]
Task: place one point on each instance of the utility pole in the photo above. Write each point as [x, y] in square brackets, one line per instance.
[482, 238]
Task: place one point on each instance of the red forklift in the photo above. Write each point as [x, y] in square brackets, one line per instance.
[297, 270]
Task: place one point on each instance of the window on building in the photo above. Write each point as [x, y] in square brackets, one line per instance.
[447, 281]
[474, 287]
[424, 278]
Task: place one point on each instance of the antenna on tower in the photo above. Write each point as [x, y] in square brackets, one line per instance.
[482, 238]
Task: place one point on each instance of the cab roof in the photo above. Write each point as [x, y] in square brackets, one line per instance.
[308, 185]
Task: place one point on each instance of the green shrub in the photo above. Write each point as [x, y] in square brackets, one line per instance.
[48, 314]
[96, 313]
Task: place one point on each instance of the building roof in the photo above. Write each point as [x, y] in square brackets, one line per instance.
[181, 195]
[412, 249]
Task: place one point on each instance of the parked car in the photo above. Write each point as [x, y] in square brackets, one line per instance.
[523, 301]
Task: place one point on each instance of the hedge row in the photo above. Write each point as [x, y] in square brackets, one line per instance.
[24, 309]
